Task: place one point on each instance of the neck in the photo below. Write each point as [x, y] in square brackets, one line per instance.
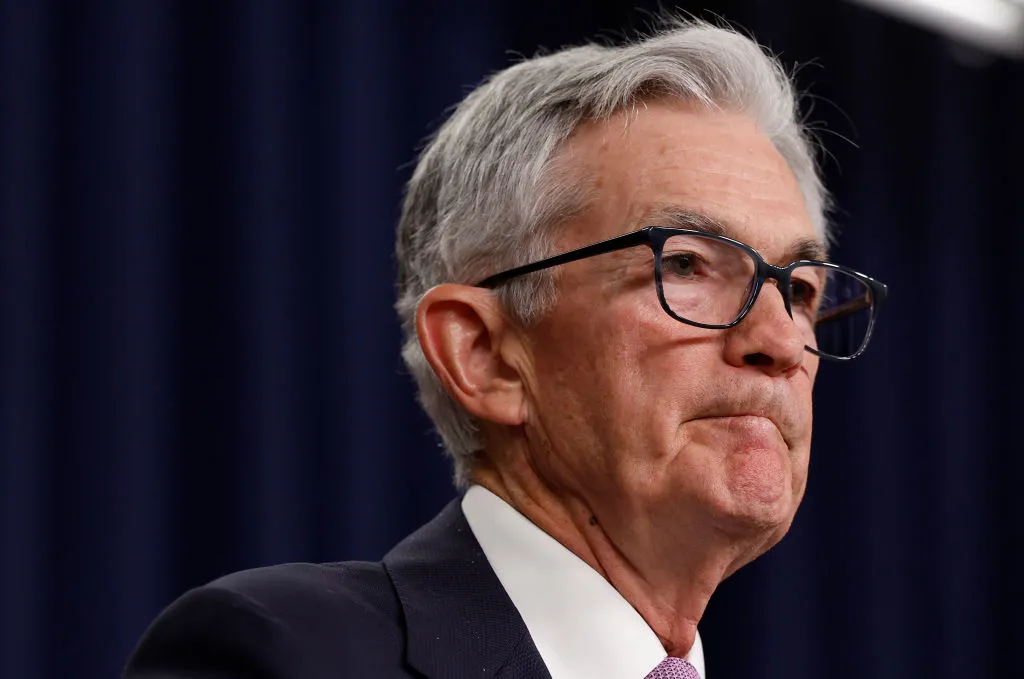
[669, 585]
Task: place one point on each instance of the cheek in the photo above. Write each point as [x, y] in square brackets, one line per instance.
[574, 390]
[663, 374]
[801, 457]
[806, 403]
[605, 392]
[800, 453]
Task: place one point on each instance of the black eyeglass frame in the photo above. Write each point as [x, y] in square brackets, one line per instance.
[655, 238]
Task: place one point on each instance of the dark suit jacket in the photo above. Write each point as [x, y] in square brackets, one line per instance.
[433, 608]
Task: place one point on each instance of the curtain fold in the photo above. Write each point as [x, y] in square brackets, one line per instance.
[199, 358]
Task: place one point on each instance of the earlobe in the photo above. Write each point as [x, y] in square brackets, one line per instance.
[468, 341]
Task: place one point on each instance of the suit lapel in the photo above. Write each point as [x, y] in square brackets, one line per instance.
[459, 620]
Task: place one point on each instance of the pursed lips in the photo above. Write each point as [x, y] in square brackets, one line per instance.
[762, 416]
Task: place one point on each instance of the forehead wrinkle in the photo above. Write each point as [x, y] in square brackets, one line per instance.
[695, 220]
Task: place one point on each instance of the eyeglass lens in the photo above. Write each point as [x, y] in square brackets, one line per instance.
[708, 281]
[844, 314]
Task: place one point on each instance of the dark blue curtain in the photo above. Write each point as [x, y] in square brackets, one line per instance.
[199, 364]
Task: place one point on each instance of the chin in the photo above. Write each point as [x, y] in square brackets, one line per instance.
[755, 527]
[764, 518]
[752, 511]
[759, 490]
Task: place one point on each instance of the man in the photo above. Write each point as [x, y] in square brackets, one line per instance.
[615, 302]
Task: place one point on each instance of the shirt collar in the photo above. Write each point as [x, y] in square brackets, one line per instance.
[581, 626]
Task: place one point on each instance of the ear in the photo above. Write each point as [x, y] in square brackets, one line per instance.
[473, 349]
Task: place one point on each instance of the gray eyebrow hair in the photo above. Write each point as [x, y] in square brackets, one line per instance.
[680, 218]
[808, 248]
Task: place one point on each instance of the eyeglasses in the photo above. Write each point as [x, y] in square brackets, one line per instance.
[710, 281]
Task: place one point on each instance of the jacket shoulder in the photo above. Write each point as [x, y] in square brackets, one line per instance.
[294, 620]
[352, 591]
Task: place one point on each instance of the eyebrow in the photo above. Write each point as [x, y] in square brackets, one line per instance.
[680, 218]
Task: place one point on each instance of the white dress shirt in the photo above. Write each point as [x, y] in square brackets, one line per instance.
[581, 626]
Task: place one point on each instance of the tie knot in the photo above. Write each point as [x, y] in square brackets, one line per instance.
[674, 668]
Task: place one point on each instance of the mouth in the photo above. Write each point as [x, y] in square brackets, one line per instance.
[751, 421]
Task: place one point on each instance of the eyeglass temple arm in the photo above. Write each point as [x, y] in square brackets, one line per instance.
[844, 310]
[610, 245]
[877, 294]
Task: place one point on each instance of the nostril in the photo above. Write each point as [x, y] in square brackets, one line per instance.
[758, 359]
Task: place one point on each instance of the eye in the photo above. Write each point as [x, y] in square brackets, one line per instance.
[680, 263]
[803, 293]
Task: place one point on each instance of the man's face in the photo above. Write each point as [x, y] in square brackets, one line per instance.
[663, 429]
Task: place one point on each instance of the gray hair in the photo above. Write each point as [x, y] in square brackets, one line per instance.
[491, 187]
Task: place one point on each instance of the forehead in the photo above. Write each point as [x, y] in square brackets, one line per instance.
[665, 157]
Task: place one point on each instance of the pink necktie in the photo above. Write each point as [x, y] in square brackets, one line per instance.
[673, 668]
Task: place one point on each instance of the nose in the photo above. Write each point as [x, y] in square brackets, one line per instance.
[767, 338]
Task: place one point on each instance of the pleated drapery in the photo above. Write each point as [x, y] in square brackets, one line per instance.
[199, 366]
